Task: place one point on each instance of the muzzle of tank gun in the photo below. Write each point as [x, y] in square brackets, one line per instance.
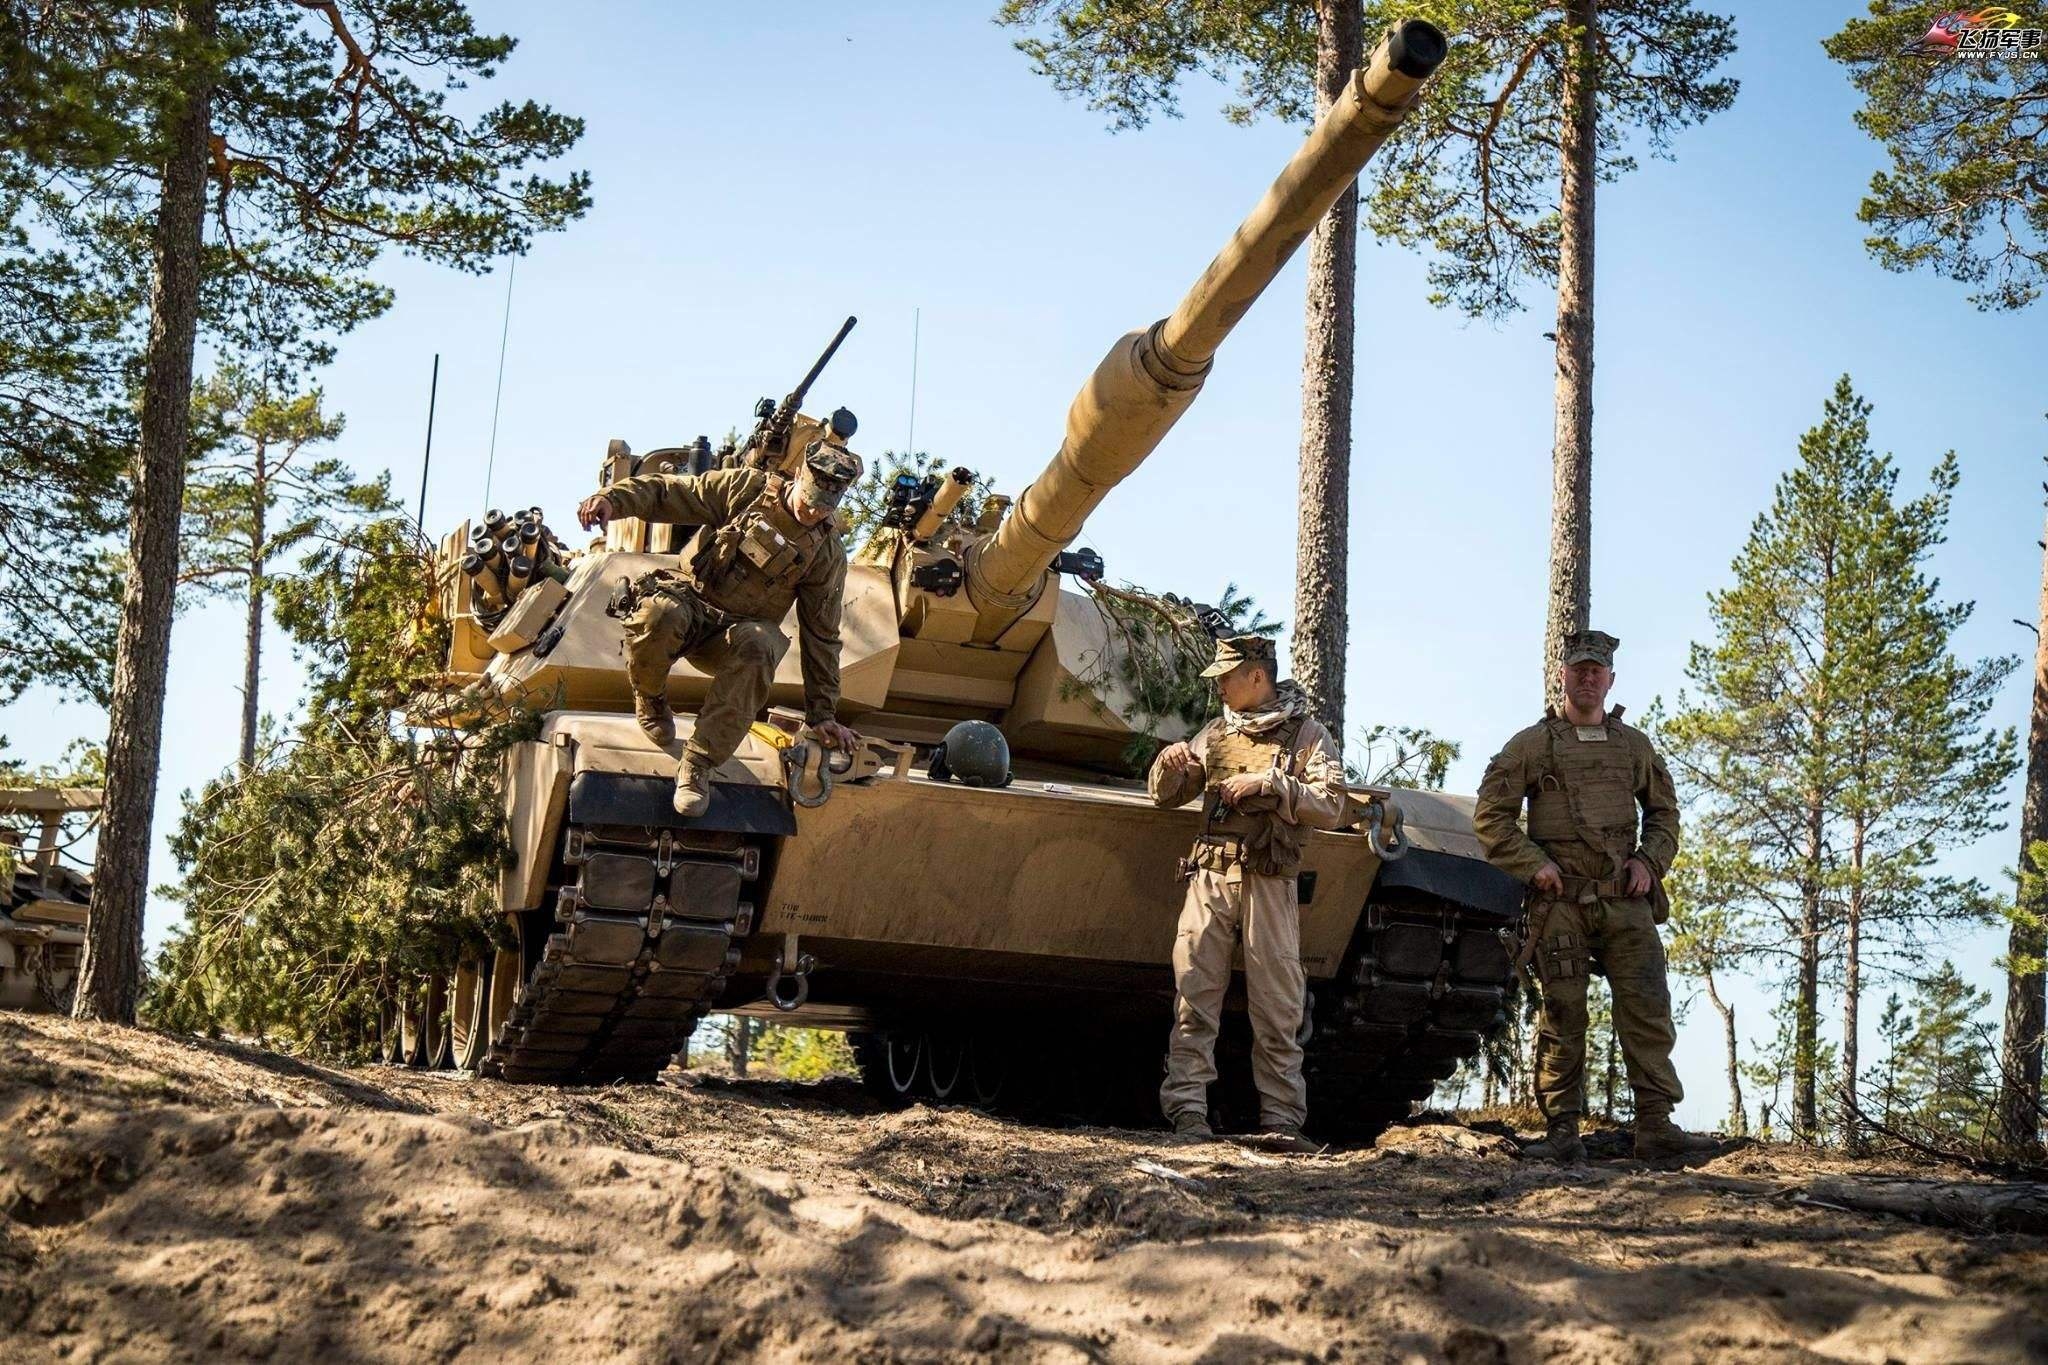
[1150, 378]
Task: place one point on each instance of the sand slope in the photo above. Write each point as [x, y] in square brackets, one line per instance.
[173, 1200]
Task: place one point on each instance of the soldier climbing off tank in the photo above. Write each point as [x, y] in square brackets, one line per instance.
[1595, 872]
[1267, 773]
[767, 541]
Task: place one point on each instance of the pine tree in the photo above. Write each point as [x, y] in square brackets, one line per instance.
[1836, 741]
[287, 142]
[256, 497]
[1944, 1066]
[1710, 931]
[1966, 195]
[1893, 1026]
[1497, 173]
[67, 337]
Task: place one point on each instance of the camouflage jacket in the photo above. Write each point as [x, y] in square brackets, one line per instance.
[1597, 797]
[715, 499]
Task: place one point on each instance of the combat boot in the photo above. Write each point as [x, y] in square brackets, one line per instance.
[1280, 1138]
[1193, 1125]
[693, 786]
[1657, 1137]
[655, 718]
[1560, 1143]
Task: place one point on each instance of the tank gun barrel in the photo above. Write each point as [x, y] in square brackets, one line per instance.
[1149, 378]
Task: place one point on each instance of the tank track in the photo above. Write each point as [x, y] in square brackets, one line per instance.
[1424, 984]
[647, 938]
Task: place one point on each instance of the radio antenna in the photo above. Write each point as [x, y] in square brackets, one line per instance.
[491, 460]
[910, 441]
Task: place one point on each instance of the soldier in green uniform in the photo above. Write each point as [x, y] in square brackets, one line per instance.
[1267, 773]
[766, 542]
[1602, 831]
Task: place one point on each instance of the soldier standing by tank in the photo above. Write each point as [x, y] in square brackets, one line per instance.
[1267, 773]
[1595, 872]
[767, 541]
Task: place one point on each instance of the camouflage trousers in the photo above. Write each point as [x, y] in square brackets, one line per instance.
[1622, 936]
[1222, 910]
[740, 657]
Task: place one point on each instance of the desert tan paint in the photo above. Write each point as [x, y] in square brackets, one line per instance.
[1149, 378]
[1085, 873]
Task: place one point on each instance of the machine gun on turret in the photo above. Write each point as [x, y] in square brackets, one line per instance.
[768, 446]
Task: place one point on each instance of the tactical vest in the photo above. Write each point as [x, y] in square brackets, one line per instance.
[750, 567]
[1261, 841]
[1587, 793]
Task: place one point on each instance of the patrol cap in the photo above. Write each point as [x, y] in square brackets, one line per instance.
[829, 470]
[1590, 646]
[1233, 650]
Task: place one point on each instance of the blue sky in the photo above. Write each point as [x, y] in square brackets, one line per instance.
[760, 172]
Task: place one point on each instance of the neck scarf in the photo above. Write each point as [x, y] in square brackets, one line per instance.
[1289, 704]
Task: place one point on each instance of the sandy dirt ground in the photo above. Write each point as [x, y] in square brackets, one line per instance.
[169, 1199]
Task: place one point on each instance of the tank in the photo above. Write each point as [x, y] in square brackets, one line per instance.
[984, 943]
[43, 903]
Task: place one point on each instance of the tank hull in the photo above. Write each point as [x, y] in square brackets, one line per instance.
[1041, 914]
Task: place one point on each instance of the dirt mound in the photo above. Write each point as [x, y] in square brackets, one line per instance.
[164, 1199]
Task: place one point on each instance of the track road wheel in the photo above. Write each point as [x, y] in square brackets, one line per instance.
[439, 1054]
[387, 1029]
[988, 1072]
[946, 1066]
[469, 1013]
[412, 1040]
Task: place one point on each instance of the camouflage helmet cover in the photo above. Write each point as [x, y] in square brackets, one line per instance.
[829, 470]
[1590, 646]
[1234, 650]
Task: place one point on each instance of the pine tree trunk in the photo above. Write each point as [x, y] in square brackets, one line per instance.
[1571, 489]
[1322, 540]
[1806, 1011]
[2026, 1003]
[252, 643]
[1852, 993]
[1738, 1122]
[110, 976]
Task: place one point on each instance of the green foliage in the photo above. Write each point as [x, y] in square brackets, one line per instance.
[867, 501]
[1835, 742]
[1127, 58]
[1402, 756]
[1473, 173]
[2028, 910]
[1966, 195]
[362, 610]
[254, 494]
[1157, 649]
[334, 137]
[1944, 1063]
[805, 1054]
[746, 1046]
[352, 852]
[1778, 1064]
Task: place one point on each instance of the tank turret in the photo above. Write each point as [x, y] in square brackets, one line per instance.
[1149, 378]
[949, 618]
